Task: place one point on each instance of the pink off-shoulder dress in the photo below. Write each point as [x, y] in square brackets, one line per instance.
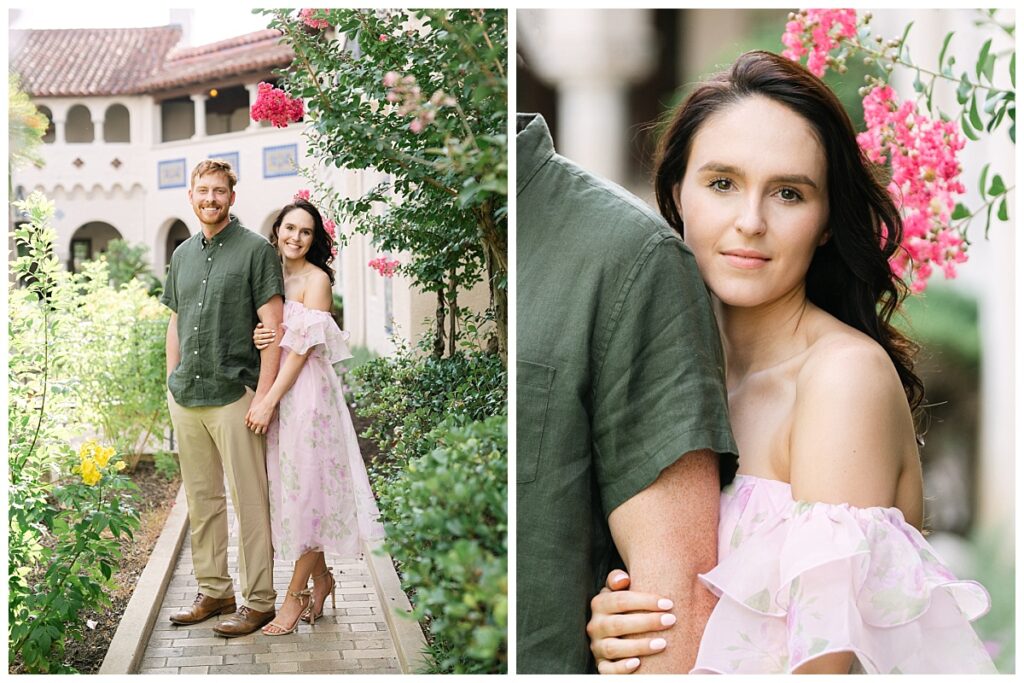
[798, 580]
[320, 497]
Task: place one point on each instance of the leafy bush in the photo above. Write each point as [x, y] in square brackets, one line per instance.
[166, 464]
[66, 514]
[407, 396]
[447, 525]
[116, 360]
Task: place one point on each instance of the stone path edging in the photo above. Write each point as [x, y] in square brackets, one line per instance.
[405, 632]
[129, 643]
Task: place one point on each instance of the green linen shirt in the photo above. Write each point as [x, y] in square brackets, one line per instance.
[215, 286]
[620, 372]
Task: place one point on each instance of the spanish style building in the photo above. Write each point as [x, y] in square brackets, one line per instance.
[132, 111]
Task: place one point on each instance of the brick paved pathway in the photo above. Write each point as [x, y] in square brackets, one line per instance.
[353, 638]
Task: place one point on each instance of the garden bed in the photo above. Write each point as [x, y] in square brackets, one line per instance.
[154, 500]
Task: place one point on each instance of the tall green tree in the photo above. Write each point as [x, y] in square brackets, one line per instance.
[422, 96]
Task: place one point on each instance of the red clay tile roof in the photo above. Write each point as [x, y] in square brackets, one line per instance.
[81, 62]
[258, 51]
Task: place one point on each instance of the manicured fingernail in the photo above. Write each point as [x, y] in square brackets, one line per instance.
[632, 663]
[664, 603]
[668, 619]
[618, 577]
[658, 644]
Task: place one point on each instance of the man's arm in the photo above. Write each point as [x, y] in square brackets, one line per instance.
[171, 346]
[271, 314]
[667, 534]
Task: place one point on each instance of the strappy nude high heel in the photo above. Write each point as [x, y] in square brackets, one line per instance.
[315, 611]
[304, 598]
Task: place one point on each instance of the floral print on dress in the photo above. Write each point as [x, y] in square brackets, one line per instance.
[320, 497]
[797, 580]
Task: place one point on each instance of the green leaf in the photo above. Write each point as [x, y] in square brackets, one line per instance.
[960, 212]
[997, 187]
[989, 68]
[918, 85]
[903, 38]
[1013, 70]
[979, 66]
[1003, 214]
[975, 117]
[945, 45]
[965, 125]
[962, 92]
[982, 179]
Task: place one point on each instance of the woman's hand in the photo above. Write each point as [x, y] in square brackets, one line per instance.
[261, 337]
[617, 612]
[258, 416]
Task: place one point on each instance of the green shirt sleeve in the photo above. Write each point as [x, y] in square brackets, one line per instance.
[660, 389]
[267, 279]
[170, 296]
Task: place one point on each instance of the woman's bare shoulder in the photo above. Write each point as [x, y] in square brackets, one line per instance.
[852, 426]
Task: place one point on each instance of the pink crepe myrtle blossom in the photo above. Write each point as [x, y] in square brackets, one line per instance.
[273, 105]
[407, 94]
[815, 33]
[314, 18]
[385, 266]
[301, 194]
[383, 38]
[925, 180]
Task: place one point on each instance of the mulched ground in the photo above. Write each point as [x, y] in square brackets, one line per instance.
[156, 497]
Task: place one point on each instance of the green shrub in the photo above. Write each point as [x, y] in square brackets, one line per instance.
[166, 464]
[447, 525]
[116, 360]
[66, 513]
[407, 395]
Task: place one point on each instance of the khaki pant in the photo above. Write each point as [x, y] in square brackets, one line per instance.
[212, 441]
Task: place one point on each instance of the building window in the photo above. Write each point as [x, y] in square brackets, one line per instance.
[227, 111]
[78, 128]
[116, 124]
[51, 130]
[177, 119]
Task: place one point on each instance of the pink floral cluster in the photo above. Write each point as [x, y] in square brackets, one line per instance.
[406, 93]
[273, 104]
[816, 32]
[925, 180]
[314, 18]
[301, 194]
[384, 266]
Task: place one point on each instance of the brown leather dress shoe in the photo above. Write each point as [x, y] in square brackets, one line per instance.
[243, 622]
[203, 608]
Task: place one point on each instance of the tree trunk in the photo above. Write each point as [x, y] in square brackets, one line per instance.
[496, 258]
[453, 312]
[439, 331]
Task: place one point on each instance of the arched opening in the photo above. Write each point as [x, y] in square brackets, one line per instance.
[117, 124]
[78, 128]
[268, 224]
[227, 111]
[51, 130]
[177, 234]
[89, 241]
[177, 119]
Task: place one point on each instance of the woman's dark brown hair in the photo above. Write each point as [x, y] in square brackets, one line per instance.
[319, 253]
[849, 275]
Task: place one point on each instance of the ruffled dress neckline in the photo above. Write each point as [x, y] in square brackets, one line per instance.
[798, 580]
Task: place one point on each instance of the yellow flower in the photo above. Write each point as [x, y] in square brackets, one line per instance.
[103, 455]
[120, 465]
[90, 473]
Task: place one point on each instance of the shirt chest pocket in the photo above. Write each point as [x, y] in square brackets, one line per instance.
[229, 288]
[533, 391]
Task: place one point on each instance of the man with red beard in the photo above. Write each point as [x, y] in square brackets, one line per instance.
[223, 281]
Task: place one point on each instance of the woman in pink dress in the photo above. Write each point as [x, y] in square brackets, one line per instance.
[320, 498]
[821, 564]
